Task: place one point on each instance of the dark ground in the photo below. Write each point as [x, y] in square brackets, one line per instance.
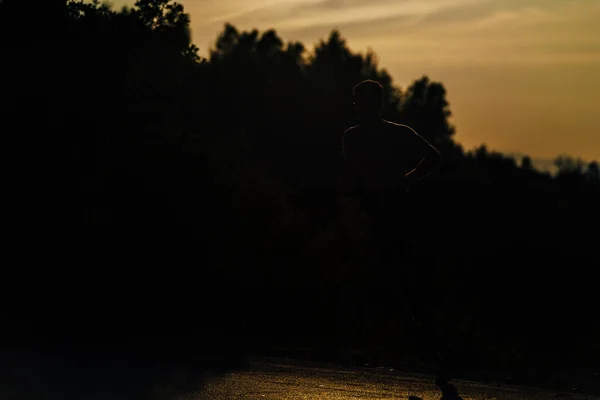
[166, 365]
[280, 379]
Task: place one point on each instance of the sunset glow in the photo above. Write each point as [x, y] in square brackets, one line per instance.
[522, 75]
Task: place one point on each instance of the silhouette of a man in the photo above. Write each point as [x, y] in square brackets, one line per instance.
[381, 161]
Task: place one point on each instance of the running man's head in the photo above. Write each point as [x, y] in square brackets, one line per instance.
[368, 99]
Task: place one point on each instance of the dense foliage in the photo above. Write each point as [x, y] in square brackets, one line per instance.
[149, 184]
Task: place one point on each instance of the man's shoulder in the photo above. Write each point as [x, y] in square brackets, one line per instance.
[350, 133]
[401, 128]
[352, 129]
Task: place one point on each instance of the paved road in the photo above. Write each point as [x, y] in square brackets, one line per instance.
[279, 380]
[272, 379]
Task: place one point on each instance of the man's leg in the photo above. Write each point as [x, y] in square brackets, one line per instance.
[403, 277]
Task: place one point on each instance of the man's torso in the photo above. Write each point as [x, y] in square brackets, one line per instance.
[380, 154]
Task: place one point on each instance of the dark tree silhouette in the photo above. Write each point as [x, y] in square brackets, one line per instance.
[150, 186]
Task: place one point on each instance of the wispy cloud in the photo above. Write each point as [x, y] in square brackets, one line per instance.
[251, 8]
[344, 12]
[466, 31]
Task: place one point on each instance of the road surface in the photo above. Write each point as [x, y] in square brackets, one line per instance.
[281, 380]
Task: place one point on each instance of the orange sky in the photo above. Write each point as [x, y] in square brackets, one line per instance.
[522, 75]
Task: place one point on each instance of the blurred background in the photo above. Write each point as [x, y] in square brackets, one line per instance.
[171, 181]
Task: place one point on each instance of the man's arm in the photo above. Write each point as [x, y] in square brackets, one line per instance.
[429, 159]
